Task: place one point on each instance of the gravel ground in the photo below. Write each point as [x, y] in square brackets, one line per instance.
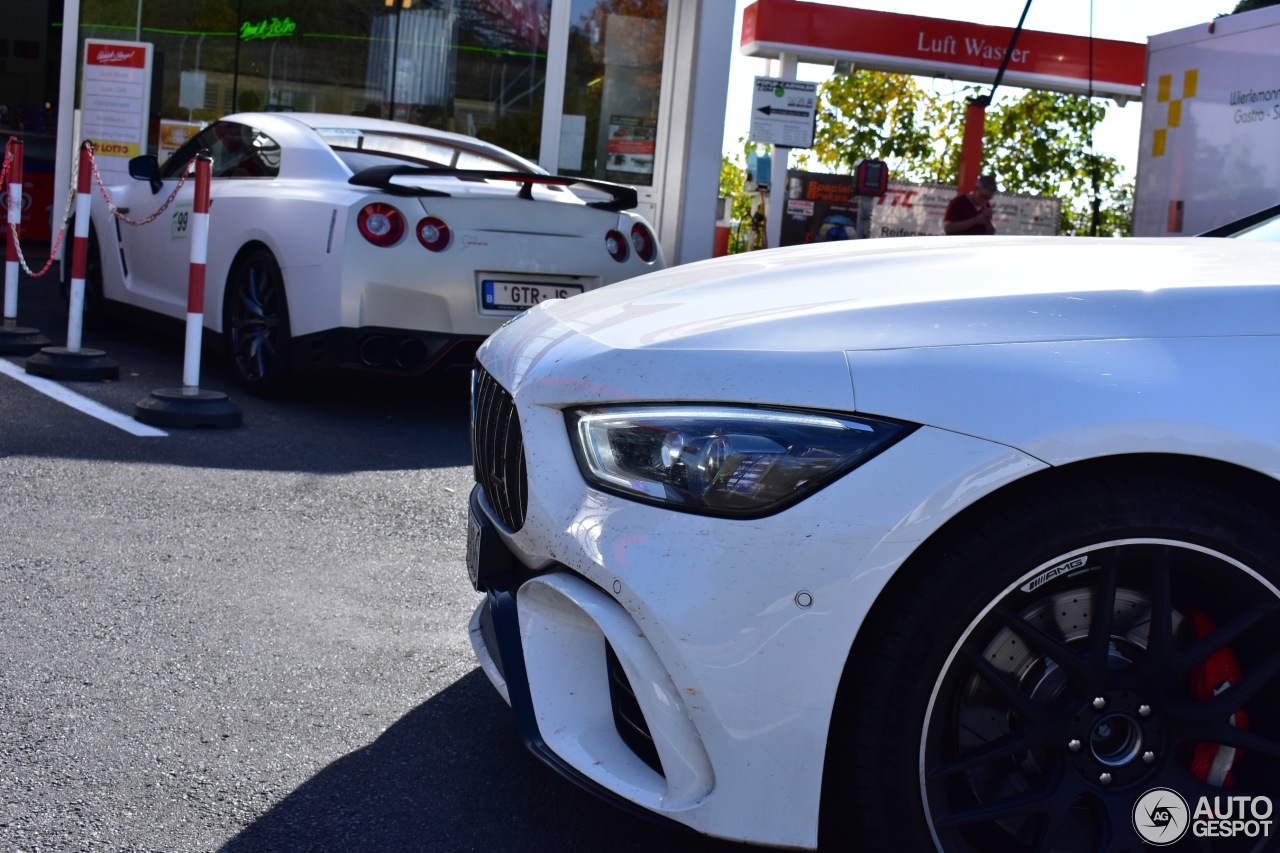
[255, 639]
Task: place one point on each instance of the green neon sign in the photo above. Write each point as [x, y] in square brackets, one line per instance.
[272, 29]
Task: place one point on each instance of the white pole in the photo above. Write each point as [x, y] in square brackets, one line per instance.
[553, 86]
[778, 175]
[66, 142]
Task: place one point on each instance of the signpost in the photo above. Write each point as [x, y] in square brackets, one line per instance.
[783, 112]
[115, 101]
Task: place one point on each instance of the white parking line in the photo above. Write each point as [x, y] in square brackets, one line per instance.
[77, 401]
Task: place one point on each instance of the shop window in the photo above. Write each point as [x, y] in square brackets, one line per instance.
[26, 49]
[475, 67]
[612, 87]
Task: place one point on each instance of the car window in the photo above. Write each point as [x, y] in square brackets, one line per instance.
[238, 151]
[360, 149]
[471, 160]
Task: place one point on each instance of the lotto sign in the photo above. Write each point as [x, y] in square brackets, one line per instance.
[783, 112]
[115, 100]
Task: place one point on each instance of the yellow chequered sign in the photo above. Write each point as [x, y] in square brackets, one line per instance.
[1173, 116]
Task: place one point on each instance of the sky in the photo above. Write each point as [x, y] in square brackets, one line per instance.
[1124, 20]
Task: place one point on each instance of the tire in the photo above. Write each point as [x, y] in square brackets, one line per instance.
[94, 300]
[987, 641]
[256, 325]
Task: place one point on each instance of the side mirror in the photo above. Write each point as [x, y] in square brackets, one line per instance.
[147, 168]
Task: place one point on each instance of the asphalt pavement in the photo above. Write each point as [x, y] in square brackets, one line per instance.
[255, 639]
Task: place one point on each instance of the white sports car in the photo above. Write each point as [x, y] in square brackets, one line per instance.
[966, 544]
[353, 243]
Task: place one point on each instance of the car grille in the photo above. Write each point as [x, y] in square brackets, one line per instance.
[497, 450]
[627, 716]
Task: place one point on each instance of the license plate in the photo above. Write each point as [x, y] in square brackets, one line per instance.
[521, 295]
[473, 548]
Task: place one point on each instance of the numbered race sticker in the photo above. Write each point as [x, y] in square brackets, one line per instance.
[180, 226]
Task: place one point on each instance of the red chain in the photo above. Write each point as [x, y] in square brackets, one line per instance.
[57, 244]
[115, 211]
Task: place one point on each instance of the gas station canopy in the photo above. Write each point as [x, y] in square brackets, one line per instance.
[934, 47]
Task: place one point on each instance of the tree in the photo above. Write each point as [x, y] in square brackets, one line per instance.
[1035, 143]
[1250, 5]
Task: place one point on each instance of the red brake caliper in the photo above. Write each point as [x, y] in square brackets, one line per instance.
[1213, 762]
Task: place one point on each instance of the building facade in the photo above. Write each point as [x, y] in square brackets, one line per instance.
[623, 90]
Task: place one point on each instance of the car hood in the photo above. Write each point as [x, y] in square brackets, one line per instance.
[940, 291]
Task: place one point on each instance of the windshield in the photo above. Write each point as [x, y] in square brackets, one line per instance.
[1268, 229]
[360, 149]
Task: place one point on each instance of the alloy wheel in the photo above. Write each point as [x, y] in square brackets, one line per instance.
[1124, 668]
[256, 309]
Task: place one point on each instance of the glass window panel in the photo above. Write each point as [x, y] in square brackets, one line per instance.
[410, 148]
[238, 151]
[471, 160]
[475, 67]
[612, 87]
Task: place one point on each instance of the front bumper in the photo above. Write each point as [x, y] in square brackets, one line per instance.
[598, 761]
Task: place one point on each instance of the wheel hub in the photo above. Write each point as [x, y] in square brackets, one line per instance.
[1120, 737]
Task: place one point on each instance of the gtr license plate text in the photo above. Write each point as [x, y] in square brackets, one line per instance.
[516, 296]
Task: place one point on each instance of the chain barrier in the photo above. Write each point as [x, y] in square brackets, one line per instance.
[62, 230]
[71, 196]
[186, 172]
[4, 171]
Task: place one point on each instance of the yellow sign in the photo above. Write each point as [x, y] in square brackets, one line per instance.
[1164, 88]
[112, 148]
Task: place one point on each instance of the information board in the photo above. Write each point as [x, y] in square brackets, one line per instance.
[783, 112]
[915, 210]
[115, 101]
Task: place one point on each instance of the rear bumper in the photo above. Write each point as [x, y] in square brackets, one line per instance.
[385, 350]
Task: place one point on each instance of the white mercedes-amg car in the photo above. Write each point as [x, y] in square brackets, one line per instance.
[966, 544]
[341, 242]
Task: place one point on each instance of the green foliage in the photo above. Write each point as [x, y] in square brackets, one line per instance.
[733, 174]
[1035, 143]
[1250, 5]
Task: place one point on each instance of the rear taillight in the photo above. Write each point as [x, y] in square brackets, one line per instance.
[643, 243]
[380, 224]
[433, 233]
[616, 245]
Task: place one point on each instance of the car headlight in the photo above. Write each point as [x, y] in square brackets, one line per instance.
[722, 460]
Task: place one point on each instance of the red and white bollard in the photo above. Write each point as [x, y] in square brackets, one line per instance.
[13, 207]
[74, 361]
[80, 251]
[195, 281]
[189, 406]
[15, 339]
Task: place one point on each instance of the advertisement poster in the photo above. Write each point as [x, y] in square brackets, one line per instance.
[821, 208]
[915, 210]
[631, 146]
[115, 100]
[818, 209]
[174, 134]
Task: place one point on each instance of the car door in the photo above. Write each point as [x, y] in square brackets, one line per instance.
[159, 253]
[154, 253]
